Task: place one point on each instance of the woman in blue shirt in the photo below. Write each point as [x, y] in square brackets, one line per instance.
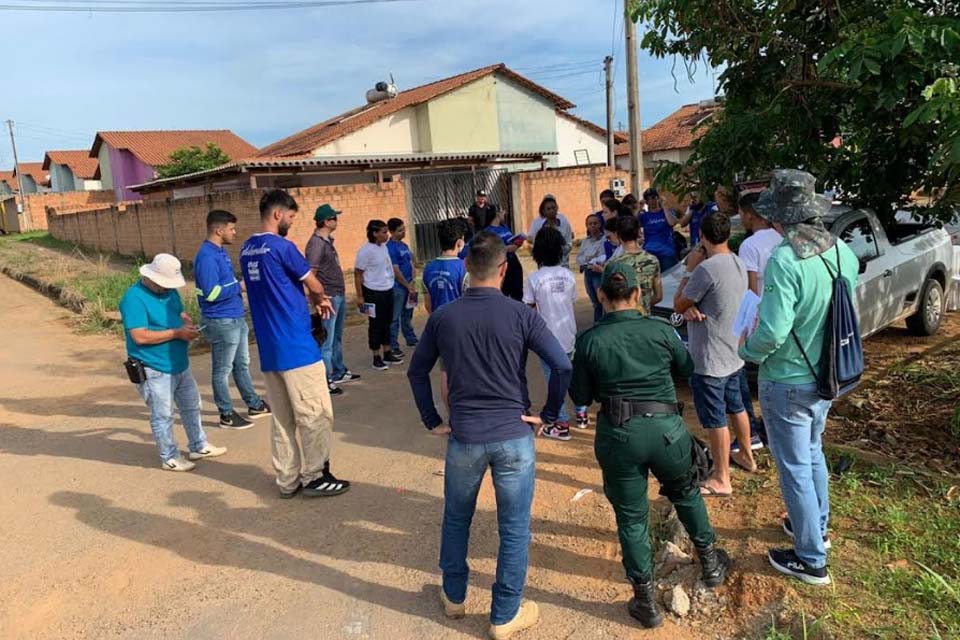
[658, 223]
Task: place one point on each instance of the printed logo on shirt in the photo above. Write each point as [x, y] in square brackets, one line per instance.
[557, 286]
[254, 251]
[253, 270]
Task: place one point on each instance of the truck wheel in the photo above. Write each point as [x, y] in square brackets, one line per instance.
[926, 321]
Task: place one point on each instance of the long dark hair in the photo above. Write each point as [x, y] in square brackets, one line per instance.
[372, 227]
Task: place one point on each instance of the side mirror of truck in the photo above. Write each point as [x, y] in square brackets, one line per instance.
[863, 266]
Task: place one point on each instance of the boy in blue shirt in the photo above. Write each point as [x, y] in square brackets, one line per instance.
[220, 297]
[512, 286]
[158, 332]
[443, 278]
[658, 223]
[275, 273]
[403, 286]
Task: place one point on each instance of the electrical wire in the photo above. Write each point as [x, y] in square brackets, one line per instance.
[179, 6]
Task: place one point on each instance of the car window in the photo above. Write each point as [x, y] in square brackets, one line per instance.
[860, 238]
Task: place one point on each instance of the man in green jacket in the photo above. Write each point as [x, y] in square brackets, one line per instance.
[798, 283]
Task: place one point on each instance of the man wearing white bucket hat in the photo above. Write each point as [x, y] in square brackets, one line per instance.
[158, 333]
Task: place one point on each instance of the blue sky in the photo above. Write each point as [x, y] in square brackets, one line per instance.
[268, 74]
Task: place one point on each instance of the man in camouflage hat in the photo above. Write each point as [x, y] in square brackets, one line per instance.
[797, 290]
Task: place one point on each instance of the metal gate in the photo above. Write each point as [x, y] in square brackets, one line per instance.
[440, 196]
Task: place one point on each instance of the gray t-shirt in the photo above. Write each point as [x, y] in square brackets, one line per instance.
[717, 285]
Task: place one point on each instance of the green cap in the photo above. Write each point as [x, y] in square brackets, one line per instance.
[615, 267]
[325, 212]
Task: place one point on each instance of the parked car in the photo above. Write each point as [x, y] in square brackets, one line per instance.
[904, 276]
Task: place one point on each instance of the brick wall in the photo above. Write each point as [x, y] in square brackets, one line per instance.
[577, 191]
[179, 227]
[38, 203]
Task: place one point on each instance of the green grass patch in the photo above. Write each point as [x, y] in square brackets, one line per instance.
[899, 556]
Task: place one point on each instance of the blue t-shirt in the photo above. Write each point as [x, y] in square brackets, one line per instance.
[443, 278]
[400, 256]
[141, 308]
[508, 237]
[657, 234]
[274, 269]
[697, 218]
[218, 290]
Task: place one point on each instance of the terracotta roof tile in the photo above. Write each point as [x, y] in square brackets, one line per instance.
[676, 131]
[154, 147]
[79, 162]
[318, 135]
[8, 177]
[35, 170]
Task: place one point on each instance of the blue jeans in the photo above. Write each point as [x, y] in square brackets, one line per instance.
[512, 463]
[795, 417]
[231, 353]
[401, 317]
[591, 281]
[563, 415]
[332, 348]
[161, 391]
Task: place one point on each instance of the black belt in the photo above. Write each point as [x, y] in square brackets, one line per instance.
[620, 410]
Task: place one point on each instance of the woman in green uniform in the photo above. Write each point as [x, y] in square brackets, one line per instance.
[626, 362]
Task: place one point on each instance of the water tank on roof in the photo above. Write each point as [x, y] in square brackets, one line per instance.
[382, 91]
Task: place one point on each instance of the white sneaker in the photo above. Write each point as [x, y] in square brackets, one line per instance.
[177, 464]
[209, 451]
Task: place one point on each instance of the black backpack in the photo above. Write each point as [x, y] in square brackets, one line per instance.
[841, 360]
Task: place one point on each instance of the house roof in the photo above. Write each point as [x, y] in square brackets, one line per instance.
[618, 136]
[676, 131]
[35, 170]
[306, 141]
[79, 162]
[154, 147]
[9, 178]
[346, 162]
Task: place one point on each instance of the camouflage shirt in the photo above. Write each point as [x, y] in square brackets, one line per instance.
[647, 268]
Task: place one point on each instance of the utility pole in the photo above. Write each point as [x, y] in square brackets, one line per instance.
[16, 167]
[608, 69]
[633, 102]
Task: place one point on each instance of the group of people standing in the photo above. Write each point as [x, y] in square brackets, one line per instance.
[626, 362]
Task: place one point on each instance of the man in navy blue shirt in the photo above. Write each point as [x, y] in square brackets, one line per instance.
[223, 324]
[483, 338]
[403, 286]
[275, 273]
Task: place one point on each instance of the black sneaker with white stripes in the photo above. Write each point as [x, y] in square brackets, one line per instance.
[348, 376]
[325, 486]
[788, 529]
[786, 562]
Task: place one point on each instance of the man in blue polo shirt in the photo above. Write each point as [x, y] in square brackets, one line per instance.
[224, 326]
[483, 338]
[275, 273]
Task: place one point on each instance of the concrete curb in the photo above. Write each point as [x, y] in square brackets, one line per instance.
[72, 301]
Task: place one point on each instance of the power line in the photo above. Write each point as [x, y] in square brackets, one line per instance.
[181, 6]
[559, 66]
[572, 74]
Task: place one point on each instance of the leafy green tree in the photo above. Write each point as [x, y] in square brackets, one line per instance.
[878, 76]
[192, 159]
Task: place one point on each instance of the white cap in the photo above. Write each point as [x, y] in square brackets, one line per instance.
[164, 271]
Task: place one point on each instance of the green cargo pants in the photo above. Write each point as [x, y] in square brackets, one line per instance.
[662, 445]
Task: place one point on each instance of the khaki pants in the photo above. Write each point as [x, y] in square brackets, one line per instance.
[300, 400]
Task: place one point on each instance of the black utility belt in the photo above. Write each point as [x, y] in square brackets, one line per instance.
[620, 410]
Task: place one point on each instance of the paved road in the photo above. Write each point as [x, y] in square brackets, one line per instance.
[97, 542]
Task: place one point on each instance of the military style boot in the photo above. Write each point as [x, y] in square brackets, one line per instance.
[643, 605]
[714, 564]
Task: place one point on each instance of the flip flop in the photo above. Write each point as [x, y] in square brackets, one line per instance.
[707, 492]
[734, 462]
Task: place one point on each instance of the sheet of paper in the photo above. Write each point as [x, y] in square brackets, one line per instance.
[369, 310]
[747, 314]
[412, 300]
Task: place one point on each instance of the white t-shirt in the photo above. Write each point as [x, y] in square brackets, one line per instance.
[374, 261]
[756, 250]
[565, 230]
[554, 290]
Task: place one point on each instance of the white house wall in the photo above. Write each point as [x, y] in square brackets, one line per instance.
[572, 136]
[396, 133]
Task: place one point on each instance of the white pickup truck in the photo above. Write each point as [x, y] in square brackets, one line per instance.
[904, 276]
